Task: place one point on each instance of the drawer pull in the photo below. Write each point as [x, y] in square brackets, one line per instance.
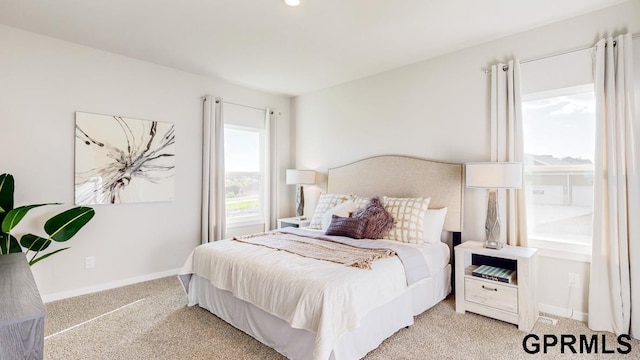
[489, 288]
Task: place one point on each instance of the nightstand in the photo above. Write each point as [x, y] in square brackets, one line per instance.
[293, 222]
[513, 302]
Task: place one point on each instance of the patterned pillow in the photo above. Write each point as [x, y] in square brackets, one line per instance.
[409, 216]
[379, 219]
[346, 226]
[325, 202]
[360, 201]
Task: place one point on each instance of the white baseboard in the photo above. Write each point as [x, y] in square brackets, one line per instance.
[106, 286]
[563, 312]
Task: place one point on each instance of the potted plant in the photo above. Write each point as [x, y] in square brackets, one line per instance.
[60, 227]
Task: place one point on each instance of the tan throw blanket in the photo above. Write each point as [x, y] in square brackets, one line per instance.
[318, 249]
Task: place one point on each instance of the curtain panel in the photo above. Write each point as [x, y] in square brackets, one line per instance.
[507, 145]
[213, 186]
[272, 170]
[614, 291]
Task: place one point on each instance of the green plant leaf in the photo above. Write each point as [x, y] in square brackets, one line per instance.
[6, 191]
[34, 242]
[65, 225]
[33, 261]
[9, 244]
[14, 216]
[6, 194]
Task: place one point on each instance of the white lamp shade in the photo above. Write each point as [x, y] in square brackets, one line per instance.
[296, 177]
[494, 175]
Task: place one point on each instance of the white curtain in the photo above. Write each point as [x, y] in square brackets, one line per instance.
[213, 201]
[507, 145]
[614, 291]
[271, 171]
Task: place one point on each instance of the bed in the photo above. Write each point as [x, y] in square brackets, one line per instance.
[313, 309]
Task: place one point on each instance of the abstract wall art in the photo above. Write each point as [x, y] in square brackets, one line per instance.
[123, 160]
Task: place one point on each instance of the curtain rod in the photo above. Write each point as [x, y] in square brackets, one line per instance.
[232, 103]
[506, 67]
[247, 106]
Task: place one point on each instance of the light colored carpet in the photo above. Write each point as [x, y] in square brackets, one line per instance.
[150, 320]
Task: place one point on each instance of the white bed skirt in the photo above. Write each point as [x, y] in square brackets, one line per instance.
[276, 333]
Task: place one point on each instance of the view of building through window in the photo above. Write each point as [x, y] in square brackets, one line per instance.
[559, 143]
[243, 174]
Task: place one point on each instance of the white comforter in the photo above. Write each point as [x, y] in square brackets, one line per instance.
[325, 298]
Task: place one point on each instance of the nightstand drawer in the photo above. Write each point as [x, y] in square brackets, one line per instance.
[492, 294]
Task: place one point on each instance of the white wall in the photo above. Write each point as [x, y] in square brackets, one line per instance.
[43, 81]
[439, 109]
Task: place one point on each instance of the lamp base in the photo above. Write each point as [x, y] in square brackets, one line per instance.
[493, 245]
[300, 202]
[492, 224]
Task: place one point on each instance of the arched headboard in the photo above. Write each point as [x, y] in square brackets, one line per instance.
[404, 176]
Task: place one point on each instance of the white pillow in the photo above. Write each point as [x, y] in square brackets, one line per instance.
[433, 224]
[325, 202]
[343, 210]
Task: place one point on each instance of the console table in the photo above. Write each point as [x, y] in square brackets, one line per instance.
[22, 312]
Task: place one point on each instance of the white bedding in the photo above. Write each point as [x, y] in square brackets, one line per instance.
[324, 298]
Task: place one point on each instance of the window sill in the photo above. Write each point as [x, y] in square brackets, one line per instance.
[561, 250]
[243, 223]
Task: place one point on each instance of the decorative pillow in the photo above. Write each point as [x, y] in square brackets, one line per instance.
[360, 201]
[342, 210]
[379, 221]
[433, 224]
[408, 214]
[325, 202]
[347, 226]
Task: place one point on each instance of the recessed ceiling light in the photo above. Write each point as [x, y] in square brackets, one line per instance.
[292, 2]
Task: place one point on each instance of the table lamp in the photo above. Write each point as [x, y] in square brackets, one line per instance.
[493, 176]
[299, 178]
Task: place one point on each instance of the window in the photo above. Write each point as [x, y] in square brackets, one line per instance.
[246, 165]
[559, 148]
[244, 191]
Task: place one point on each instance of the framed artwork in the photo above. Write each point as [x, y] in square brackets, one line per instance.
[122, 160]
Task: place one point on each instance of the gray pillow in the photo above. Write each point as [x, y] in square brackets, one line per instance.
[379, 221]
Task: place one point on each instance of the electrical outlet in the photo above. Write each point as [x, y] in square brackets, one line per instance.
[89, 262]
[574, 281]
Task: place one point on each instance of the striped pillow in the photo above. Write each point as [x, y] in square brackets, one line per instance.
[408, 214]
[346, 226]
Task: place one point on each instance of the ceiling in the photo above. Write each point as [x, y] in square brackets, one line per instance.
[267, 45]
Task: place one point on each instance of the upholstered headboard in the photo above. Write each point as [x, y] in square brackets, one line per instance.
[404, 176]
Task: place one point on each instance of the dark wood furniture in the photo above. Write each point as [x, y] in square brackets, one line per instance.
[22, 312]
